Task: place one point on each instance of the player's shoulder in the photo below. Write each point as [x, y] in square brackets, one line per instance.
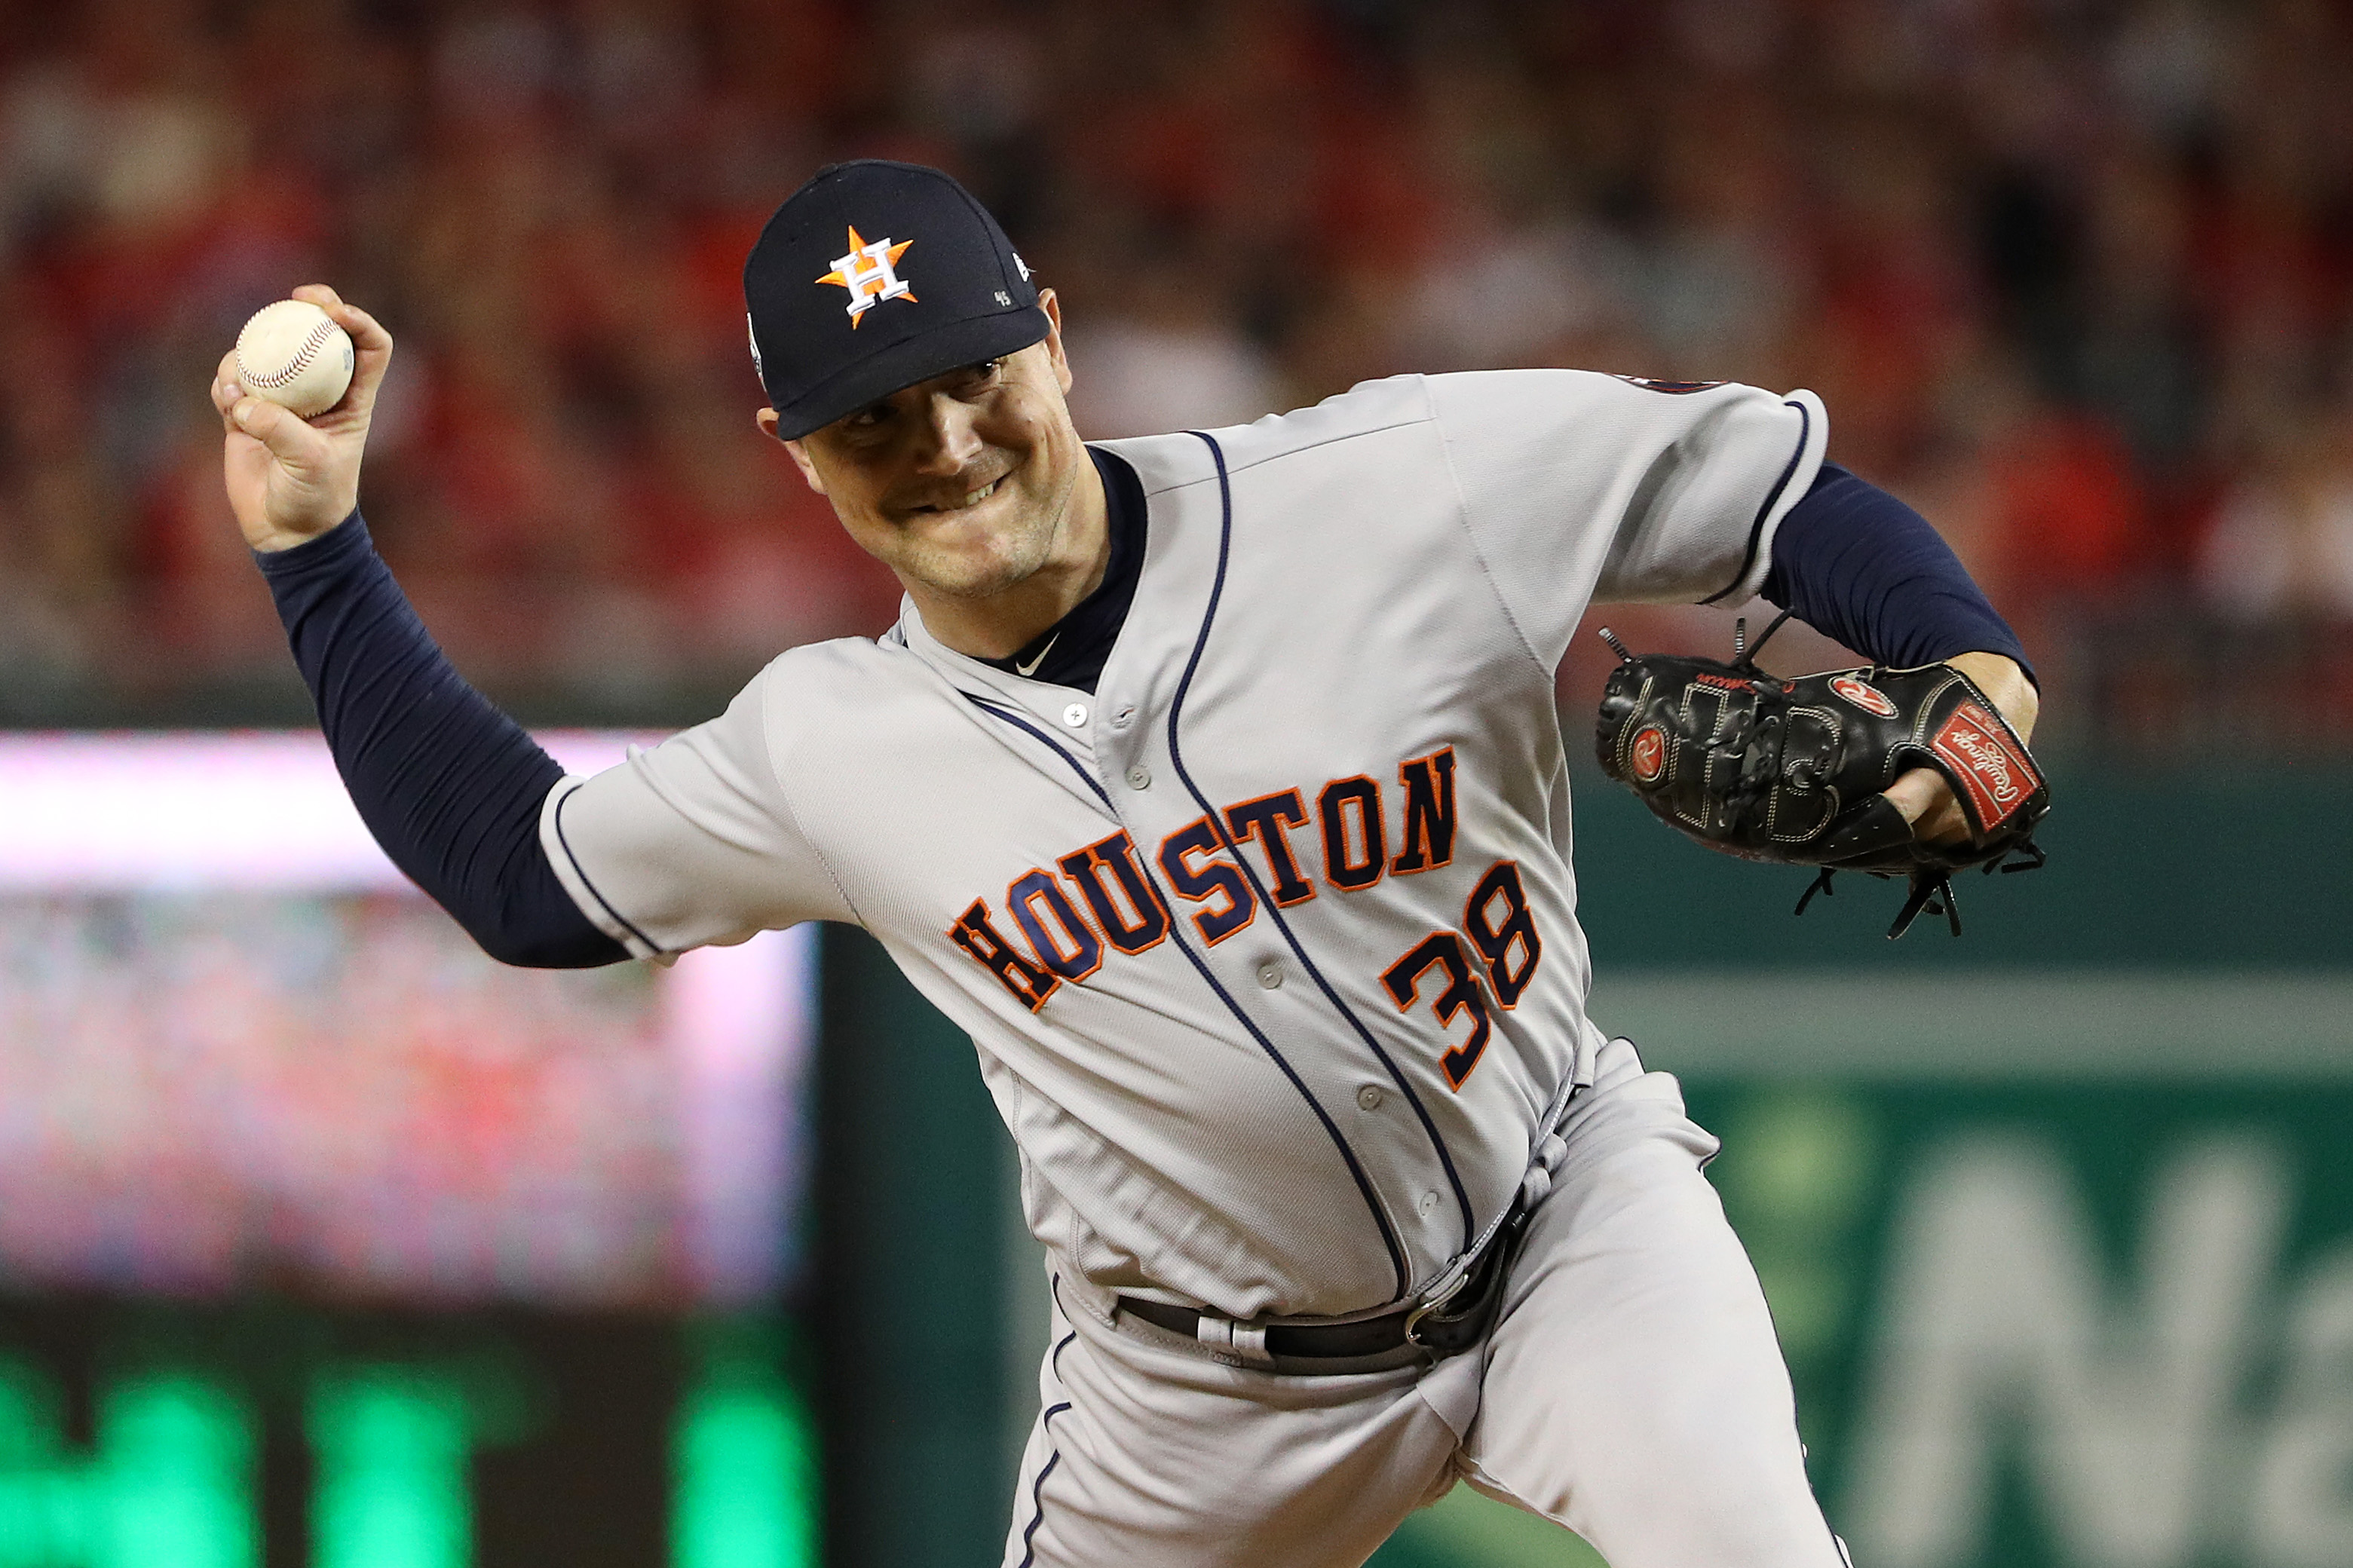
[849, 665]
[1394, 406]
[827, 686]
[1548, 390]
[1367, 410]
[823, 706]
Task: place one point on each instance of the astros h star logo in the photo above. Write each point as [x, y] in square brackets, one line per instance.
[870, 273]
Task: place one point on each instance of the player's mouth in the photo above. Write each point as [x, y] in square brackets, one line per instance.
[966, 501]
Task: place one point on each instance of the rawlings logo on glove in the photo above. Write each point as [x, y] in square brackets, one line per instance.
[1791, 772]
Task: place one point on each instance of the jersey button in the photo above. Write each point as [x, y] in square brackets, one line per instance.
[1428, 1205]
[1075, 715]
[1369, 1097]
[1270, 974]
[1139, 777]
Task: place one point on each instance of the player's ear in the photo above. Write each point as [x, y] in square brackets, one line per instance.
[766, 420]
[1053, 309]
[808, 469]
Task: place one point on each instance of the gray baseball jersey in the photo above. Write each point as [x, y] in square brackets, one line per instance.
[1270, 945]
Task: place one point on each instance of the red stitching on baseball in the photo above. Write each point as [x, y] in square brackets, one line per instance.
[320, 337]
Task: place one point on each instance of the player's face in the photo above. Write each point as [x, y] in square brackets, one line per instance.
[960, 484]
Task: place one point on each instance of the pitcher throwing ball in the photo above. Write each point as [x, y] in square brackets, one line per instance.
[1213, 781]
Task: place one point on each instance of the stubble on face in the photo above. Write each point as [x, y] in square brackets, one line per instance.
[1001, 517]
[967, 486]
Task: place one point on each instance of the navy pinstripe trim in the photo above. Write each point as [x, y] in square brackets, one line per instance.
[998, 711]
[1054, 1290]
[1176, 759]
[1045, 1418]
[578, 870]
[1756, 529]
[1037, 1499]
[1225, 837]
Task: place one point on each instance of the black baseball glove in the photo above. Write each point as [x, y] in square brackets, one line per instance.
[1790, 771]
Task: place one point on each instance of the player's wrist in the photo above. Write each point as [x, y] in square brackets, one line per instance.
[278, 541]
[299, 508]
[271, 541]
[271, 535]
[2005, 683]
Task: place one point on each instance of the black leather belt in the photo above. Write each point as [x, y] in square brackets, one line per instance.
[1366, 1336]
[1442, 1329]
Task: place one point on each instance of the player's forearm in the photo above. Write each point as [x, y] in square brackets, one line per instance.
[451, 786]
[1860, 566]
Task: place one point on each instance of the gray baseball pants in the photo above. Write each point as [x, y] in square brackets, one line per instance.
[1632, 1390]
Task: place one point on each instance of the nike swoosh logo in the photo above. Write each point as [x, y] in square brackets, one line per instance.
[1024, 670]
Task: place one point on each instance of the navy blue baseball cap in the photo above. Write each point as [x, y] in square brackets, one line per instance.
[875, 275]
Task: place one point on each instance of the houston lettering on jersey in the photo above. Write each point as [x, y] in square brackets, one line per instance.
[1105, 901]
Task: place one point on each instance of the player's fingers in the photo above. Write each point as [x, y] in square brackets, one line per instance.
[320, 295]
[1927, 804]
[368, 335]
[290, 438]
[227, 389]
[1914, 793]
[371, 354]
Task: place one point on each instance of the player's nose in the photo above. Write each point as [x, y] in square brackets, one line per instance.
[949, 443]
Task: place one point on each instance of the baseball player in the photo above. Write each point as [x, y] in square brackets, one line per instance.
[1213, 781]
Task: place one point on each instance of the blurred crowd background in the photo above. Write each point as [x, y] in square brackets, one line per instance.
[2075, 277]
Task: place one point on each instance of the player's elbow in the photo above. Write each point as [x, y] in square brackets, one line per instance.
[542, 939]
[519, 912]
[542, 950]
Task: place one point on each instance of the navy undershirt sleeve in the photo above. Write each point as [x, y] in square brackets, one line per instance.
[1859, 566]
[451, 786]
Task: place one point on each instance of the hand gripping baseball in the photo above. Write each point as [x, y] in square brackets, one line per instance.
[291, 479]
[1803, 771]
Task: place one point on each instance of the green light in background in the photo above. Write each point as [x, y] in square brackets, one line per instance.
[44, 1502]
[177, 1454]
[170, 1486]
[391, 1444]
[744, 1490]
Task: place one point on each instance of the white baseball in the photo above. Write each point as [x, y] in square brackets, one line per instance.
[295, 355]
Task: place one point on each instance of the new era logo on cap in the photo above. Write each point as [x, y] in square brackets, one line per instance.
[820, 355]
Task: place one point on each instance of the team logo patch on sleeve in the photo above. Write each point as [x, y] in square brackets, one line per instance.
[1864, 695]
[1997, 775]
[870, 273]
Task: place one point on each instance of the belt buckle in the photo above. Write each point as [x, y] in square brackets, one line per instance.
[1482, 1276]
[1484, 1268]
[1434, 1307]
[1413, 1329]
